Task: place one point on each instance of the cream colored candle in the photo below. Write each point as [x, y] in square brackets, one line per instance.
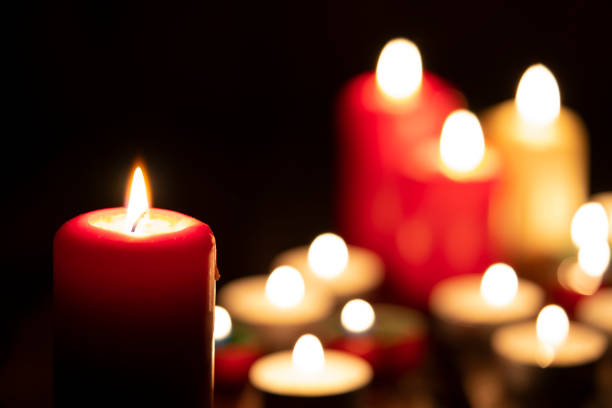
[278, 307]
[550, 341]
[596, 310]
[545, 151]
[346, 271]
[309, 371]
[495, 298]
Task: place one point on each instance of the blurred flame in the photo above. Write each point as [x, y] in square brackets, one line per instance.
[138, 202]
[223, 323]
[537, 96]
[462, 144]
[357, 316]
[552, 326]
[328, 255]
[399, 71]
[308, 355]
[589, 224]
[285, 287]
[594, 258]
[572, 277]
[499, 284]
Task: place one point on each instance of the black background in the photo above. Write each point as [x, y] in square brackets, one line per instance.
[231, 107]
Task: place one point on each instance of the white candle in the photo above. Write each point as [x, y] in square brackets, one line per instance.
[346, 271]
[310, 371]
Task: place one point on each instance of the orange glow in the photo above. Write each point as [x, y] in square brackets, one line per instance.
[138, 202]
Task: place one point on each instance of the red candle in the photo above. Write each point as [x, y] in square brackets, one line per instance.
[445, 191]
[382, 116]
[134, 292]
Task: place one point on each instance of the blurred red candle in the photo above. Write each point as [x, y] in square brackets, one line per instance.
[134, 292]
[381, 117]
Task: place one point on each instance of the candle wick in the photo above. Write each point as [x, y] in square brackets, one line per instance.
[140, 217]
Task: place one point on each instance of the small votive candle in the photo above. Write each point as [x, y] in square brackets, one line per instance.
[596, 311]
[393, 339]
[471, 306]
[310, 376]
[277, 307]
[346, 271]
[549, 359]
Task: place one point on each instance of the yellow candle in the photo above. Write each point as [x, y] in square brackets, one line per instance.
[346, 271]
[278, 307]
[544, 148]
[309, 371]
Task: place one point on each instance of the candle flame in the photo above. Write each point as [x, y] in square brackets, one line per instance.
[308, 355]
[499, 284]
[328, 255]
[462, 144]
[357, 316]
[223, 323]
[399, 71]
[537, 96]
[552, 326]
[138, 202]
[589, 224]
[285, 287]
[594, 258]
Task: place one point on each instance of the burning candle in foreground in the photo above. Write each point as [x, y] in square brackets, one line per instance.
[346, 271]
[544, 147]
[473, 305]
[381, 116]
[278, 307]
[550, 359]
[133, 306]
[393, 339]
[310, 376]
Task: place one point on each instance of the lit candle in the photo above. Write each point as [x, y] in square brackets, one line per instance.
[605, 199]
[582, 275]
[346, 271]
[445, 185]
[310, 376]
[381, 116]
[235, 352]
[544, 148]
[550, 359]
[469, 305]
[393, 339]
[133, 303]
[278, 307]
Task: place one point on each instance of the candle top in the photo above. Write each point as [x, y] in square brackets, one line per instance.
[363, 272]
[341, 373]
[154, 221]
[596, 310]
[520, 343]
[459, 299]
[246, 300]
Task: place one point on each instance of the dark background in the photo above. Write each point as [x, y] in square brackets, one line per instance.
[231, 107]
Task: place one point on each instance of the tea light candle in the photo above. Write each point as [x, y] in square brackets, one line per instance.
[549, 359]
[277, 307]
[393, 339]
[545, 152]
[236, 350]
[605, 199]
[483, 302]
[346, 271]
[596, 310]
[309, 376]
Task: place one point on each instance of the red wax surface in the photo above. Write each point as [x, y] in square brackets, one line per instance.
[133, 314]
[375, 137]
